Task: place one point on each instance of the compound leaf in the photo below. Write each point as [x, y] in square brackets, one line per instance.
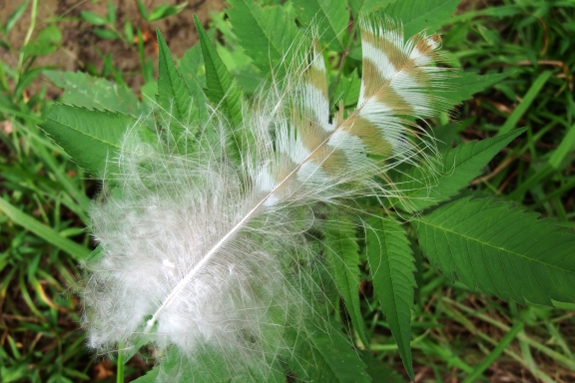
[499, 249]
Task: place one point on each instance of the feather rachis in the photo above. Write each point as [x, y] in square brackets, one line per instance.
[211, 237]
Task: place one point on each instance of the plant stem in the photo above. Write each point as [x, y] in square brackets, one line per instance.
[120, 367]
[33, 16]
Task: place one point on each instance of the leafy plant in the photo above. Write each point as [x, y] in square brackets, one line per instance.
[109, 20]
[491, 246]
[45, 194]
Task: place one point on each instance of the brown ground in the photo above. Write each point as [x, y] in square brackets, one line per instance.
[81, 46]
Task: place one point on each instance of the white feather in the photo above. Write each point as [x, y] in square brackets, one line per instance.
[202, 253]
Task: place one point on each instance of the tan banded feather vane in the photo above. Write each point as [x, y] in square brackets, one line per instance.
[400, 84]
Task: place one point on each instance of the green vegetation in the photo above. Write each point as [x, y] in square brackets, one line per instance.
[522, 48]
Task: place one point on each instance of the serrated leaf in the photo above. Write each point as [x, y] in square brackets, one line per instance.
[83, 90]
[391, 268]
[266, 33]
[196, 79]
[342, 255]
[174, 96]
[333, 359]
[90, 137]
[379, 370]
[210, 367]
[457, 167]
[499, 249]
[463, 86]
[223, 92]
[330, 16]
[417, 15]
[207, 365]
[221, 86]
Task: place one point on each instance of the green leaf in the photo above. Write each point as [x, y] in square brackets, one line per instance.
[266, 33]
[105, 34]
[342, 255]
[457, 167]
[90, 137]
[210, 367]
[191, 67]
[4, 45]
[128, 31]
[45, 232]
[366, 5]
[174, 97]
[330, 16]
[391, 268]
[14, 17]
[143, 11]
[463, 86]
[565, 148]
[93, 18]
[223, 91]
[83, 90]
[26, 79]
[499, 249]
[221, 86]
[166, 10]
[526, 102]
[207, 365]
[47, 42]
[348, 90]
[329, 358]
[111, 12]
[417, 15]
[379, 370]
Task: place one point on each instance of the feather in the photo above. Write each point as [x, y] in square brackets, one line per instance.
[215, 256]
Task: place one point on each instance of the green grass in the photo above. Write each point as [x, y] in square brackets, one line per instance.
[43, 202]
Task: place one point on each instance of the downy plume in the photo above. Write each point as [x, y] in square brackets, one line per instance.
[217, 257]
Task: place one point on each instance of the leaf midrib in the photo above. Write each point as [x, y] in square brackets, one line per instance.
[471, 239]
[84, 133]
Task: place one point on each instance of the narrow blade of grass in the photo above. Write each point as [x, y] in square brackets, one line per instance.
[48, 234]
[494, 354]
[530, 96]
